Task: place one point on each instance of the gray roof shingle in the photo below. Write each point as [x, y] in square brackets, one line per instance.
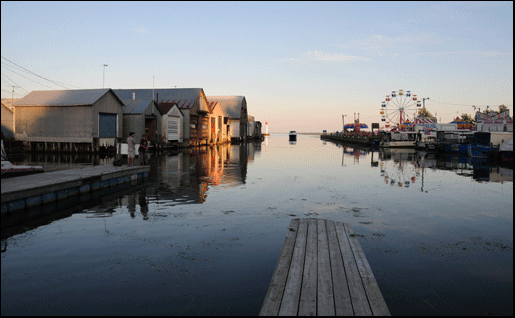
[137, 106]
[184, 97]
[73, 97]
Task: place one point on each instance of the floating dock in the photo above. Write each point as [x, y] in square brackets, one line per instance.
[322, 271]
[360, 140]
[30, 191]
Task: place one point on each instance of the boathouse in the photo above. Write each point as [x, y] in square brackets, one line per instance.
[8, 117]
[218, 129]
[69, 120]
[172, 123]
[142, 116]
[191, 101]
[235, 109]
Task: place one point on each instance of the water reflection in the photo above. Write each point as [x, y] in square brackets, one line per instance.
[404, 167]
[185, 258]
[185, 177]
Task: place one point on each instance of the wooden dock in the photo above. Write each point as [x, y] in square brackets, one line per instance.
[322, 271]
[29, 191]
[356, 140]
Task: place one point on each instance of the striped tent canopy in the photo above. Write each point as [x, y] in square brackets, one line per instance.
[462, 124]
[351, 126]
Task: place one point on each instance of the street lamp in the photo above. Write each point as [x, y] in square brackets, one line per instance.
[424, 104]
[425, 114]
[104, 76]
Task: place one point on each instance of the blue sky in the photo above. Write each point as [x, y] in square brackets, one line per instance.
[300, 65]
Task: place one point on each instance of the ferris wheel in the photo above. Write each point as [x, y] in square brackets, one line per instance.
[399, 109]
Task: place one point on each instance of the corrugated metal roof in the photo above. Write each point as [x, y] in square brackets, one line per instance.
[137, 106]
[231, 105]
[184, 97]
[72, 97]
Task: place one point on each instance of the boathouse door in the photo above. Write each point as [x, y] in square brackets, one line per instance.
[150, 129]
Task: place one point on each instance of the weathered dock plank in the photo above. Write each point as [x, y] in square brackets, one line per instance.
[275, 292]
[308, 295]
[357, 291]
[325, 300]
[322, 270]
[290, 301]
[374, 295]
[342, 300]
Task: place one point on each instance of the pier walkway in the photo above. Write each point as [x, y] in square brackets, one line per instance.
[322, 271]
[29, 191]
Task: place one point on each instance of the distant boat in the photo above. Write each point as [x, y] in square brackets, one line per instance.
[486, 144]
[293, 135]
[398, 139]
[425, 142]
[9, 170]
[506, 151]
[453, 141]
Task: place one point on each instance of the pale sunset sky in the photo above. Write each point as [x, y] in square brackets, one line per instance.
[300, 65]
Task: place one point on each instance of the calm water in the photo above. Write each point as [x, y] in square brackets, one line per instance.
[204, 235]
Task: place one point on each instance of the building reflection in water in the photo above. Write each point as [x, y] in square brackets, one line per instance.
[180, 178]
[185, 177]
[404, 167]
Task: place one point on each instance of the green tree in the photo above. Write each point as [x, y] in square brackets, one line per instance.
[467, 118]
[502, 108]
[424, 113]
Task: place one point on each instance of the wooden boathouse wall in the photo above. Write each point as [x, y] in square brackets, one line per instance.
[69, 120]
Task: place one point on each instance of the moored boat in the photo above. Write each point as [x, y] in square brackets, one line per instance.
[293, 135]
[398, 139]
[9, 170]
[425, 142]
[486, 144]
[506, 151]
[453, 141]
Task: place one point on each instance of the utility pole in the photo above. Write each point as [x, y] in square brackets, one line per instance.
[12, 95]
[14, 113]
[104, 76]
[425, 114]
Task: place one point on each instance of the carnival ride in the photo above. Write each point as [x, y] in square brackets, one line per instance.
[399, 109]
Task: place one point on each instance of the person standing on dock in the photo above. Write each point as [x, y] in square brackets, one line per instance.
[132, 149]
[143, 148]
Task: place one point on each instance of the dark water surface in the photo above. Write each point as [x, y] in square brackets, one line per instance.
[204, 235]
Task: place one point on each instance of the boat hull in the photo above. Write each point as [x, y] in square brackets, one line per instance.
[397, 144]
[20, 171]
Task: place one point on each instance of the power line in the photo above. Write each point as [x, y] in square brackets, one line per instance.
[51, 81]
[10, 92]
[19, 68]
[30, 79]
[462, 104]
[14, 83]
